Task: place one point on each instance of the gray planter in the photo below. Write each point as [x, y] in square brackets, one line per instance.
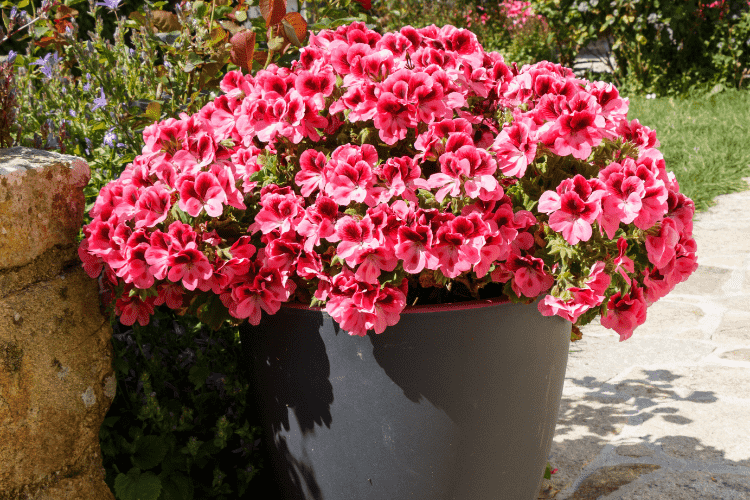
[451, 403]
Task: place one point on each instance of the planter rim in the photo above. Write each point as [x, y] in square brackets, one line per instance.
[425, 308]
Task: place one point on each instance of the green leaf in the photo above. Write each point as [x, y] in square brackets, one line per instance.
[153, 111]
[137, 486]
[149, 452]
[199, 9]
[213, 313]
[177, 487]
[198, 376]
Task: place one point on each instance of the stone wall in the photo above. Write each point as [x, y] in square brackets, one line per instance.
[56, 376]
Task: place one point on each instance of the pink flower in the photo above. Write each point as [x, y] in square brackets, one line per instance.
[356, 236]
[169, 294]
[529, 277]
[625, 312]
[319, 222]
[152, 207]
[661, 247]
[312, 174]
[574, 207]
[202, 192]
[280, 211]
[351, 177]
[132, 309]
[515, 147]
[190, 266]
[91, 264]
[458, 244]
[413, 247]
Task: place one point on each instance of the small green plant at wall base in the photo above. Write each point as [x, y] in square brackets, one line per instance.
[180, 426]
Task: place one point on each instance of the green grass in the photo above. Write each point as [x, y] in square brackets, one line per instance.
[705, 140]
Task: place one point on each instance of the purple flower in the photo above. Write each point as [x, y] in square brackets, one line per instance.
[48, 63]
[112, 5]
[109, 138]
[11, 57]
[99, 102]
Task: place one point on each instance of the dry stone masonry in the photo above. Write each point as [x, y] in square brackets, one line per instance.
[56, 376]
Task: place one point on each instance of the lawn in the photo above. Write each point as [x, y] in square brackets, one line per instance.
[705, 141]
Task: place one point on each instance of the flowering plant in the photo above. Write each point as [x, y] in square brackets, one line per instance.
[385, 170]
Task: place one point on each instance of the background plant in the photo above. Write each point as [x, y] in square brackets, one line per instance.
[666, 48]
[512, 28]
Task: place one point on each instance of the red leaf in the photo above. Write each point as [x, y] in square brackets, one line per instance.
[273, 11]
[300, 28]
[243, 47]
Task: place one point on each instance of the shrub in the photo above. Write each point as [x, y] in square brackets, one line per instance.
[666, 48]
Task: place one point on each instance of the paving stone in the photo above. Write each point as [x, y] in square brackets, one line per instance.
[596, 359]
[692, 485]
[693, 429]
[636, 450]
[737, 355]
[698, 384]
[610, 479]
[734, 328]
[669, 318]
[705, 280]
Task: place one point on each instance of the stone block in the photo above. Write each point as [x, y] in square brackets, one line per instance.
[56, 385]
[41, 203]
[56, 376]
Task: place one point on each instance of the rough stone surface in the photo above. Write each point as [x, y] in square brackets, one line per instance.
[41, 202]
[56, 376]
[664, 414]
[55, 363]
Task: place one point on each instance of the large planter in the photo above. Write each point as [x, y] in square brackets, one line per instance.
[453, 402]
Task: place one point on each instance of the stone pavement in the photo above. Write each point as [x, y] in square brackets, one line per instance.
[666, 414]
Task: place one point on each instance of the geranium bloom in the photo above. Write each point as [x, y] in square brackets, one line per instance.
[378, 163]
[529, 277]
[574, 207]
[202, 192]
[280, 211]
[515, 148]
[625, 312]
[312, 174]
[351, 175]
[132, 309]
[413, 247]
[661, 247]
[356, 237]
[152, 206]
[188, 265]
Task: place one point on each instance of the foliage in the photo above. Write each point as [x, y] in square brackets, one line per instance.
[181, 425]
[666, 48]
[392, 15]
[513, 29]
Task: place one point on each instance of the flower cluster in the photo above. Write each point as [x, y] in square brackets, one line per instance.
[380, 168]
